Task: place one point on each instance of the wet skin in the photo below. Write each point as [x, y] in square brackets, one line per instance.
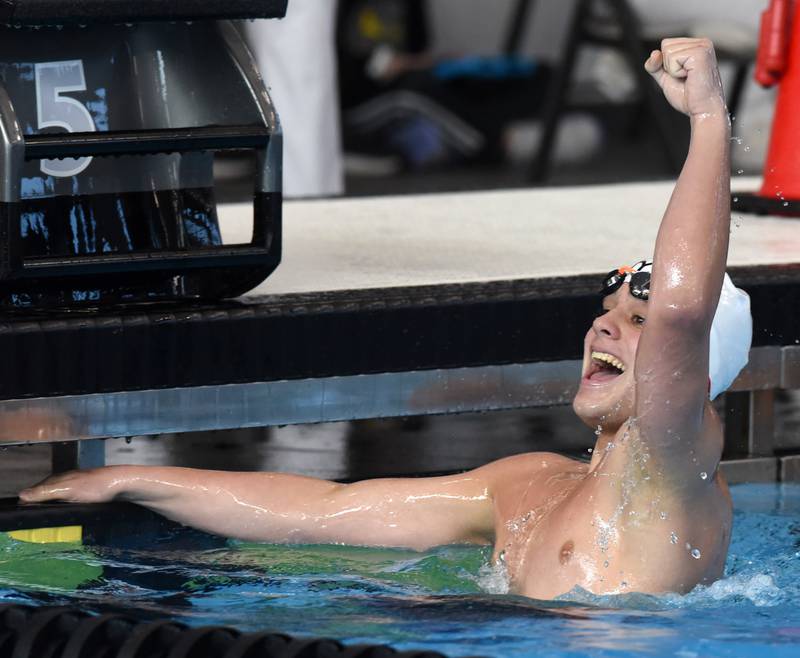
[621, 523]
[650, 513]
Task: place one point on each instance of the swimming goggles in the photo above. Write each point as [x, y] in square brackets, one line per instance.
[636, 276]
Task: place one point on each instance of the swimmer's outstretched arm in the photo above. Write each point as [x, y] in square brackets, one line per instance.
[415, 513]
[671, 367]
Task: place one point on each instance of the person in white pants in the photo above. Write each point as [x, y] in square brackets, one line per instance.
[297, 58]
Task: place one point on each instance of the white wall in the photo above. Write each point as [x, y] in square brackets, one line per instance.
[480, 26]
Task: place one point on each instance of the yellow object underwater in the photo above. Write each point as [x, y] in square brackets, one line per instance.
[47, 558]
[64, 534]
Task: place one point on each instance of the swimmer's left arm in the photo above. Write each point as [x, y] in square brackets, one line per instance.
[413, 513]
[671, 367]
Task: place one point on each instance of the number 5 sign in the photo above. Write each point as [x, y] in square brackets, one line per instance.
[53, 110]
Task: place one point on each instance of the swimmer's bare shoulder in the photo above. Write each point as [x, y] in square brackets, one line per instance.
[526, 478]
[624, 525]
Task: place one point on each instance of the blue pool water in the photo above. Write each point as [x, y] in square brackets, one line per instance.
[440, 599]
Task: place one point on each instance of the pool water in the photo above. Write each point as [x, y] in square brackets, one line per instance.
[444, 599]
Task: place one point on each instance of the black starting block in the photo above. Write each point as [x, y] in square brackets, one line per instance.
[109, 116]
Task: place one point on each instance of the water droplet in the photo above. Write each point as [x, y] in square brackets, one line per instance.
[785, 203]
[128, 439]
[703, 475]
[673, 538]
[599, 430]
[736, 199]
[592, 449]
[740, 171]
[746, 148]
[623, 584]
[663, 516]
[688, 546]
[605, 564]
[696, 553]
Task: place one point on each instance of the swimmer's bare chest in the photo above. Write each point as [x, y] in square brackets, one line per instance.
[557, 528]
[524, 506]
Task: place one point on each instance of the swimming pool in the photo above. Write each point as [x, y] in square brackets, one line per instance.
[449, 599]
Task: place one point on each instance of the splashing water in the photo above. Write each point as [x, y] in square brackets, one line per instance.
[493, 579]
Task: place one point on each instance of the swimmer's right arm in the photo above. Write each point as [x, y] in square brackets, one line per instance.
[416, 513]
[688, 266]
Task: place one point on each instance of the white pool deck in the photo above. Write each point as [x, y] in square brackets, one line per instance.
[434, 239]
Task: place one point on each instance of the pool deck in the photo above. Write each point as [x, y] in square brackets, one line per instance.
[481, 237]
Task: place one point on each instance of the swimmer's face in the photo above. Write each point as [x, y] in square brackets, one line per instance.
[606, 393]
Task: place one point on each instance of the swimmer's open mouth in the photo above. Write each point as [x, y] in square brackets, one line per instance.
[604, 367]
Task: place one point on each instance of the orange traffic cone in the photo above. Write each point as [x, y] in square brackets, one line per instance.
[778, 62]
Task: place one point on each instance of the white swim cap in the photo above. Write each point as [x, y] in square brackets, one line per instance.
[731, 330]
[731, 335]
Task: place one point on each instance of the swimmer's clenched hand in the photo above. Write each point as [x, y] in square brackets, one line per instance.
[686, 70]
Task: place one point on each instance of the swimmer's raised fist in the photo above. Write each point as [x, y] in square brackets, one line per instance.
[686, 70]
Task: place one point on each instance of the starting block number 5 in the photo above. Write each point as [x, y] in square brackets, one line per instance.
[54, 110]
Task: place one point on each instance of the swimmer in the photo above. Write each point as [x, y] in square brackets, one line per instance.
[650, 512]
